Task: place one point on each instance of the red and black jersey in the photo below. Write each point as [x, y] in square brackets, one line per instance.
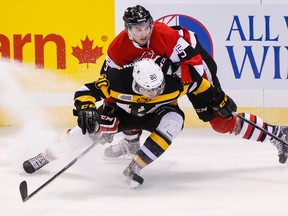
[123, 51]
[164, 41]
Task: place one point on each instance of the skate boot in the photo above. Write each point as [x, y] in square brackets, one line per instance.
[125, 149]
[282, 149]
[35, 163]
[134, 179]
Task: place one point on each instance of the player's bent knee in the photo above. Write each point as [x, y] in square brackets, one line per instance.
[171, 125]
[223, 125]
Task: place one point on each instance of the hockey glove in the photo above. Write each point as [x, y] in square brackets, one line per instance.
[88, 118]
[223, 104]
[108, 123]
[165, 65]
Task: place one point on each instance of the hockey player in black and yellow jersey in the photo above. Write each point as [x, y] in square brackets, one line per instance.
[146, 101]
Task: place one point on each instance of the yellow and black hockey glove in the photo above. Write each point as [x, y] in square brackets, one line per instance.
[88, 118]
[223, 104]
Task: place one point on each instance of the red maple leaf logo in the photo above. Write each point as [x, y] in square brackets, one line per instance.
[87, 54]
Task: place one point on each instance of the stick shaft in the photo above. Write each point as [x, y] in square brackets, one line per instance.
[25, 197]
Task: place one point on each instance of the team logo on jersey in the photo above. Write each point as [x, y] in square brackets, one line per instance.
[191, 24]
[125, 97]
[142, 99]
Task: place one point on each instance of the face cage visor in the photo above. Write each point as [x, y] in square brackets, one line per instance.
[138, 29]
[149, 93]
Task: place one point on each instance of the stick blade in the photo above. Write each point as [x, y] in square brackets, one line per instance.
[23, 190]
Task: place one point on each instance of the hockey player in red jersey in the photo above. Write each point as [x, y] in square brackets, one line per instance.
[141, 36]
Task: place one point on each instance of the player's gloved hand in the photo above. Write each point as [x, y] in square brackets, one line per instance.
[88, 118]
[108, 123]
[165, 64]
[223, 104]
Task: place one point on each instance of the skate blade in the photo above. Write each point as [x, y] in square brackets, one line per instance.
[37, 172]
[132, 184]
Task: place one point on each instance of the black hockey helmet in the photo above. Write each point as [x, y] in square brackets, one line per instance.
[136, 15]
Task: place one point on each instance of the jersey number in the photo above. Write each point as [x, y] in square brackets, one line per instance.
[181, 52]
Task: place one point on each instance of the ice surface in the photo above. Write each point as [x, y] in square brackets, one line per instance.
[202, 174]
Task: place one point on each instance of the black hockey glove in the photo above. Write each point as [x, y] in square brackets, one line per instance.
[164, 64]
[223, 104]
[108, 123]
[88, 118]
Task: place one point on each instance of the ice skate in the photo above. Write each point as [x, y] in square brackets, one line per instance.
[134, 179]
[125, 149]
[36, 163]
[282, 149]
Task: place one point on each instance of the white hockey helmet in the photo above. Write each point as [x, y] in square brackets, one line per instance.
[148, 78]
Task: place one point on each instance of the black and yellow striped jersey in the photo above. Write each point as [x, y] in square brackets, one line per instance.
[117, 84]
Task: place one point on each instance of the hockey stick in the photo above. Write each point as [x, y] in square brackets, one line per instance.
[260, 128]
[23, 185]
